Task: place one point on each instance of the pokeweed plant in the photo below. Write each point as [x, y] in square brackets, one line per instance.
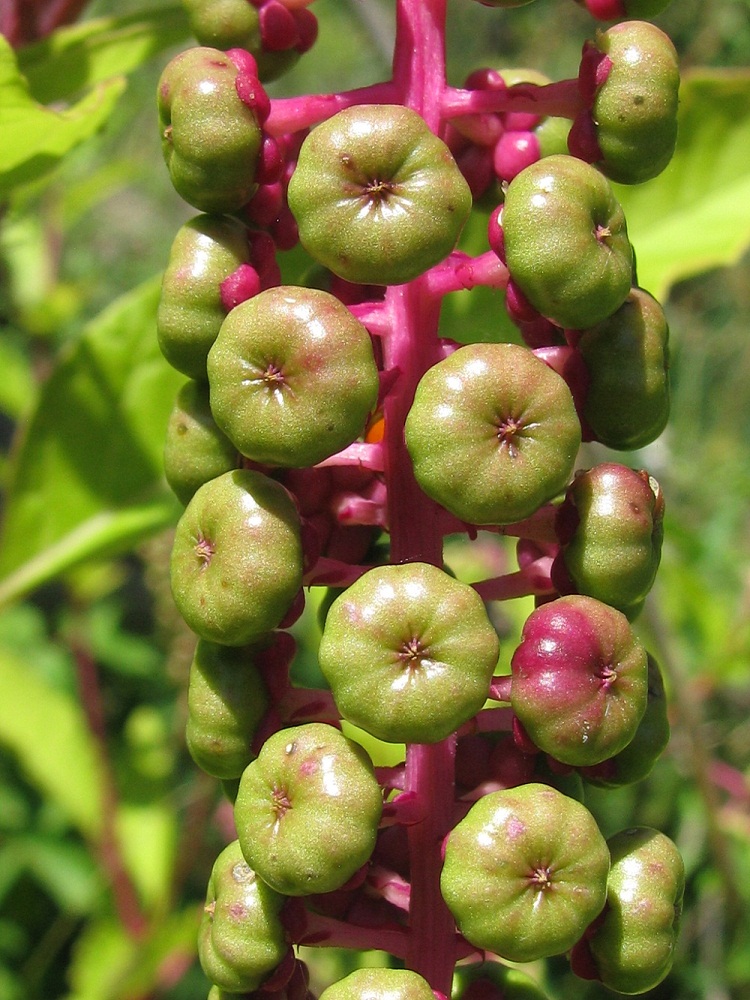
[328, 436]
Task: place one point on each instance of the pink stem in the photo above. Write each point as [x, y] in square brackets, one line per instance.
[291, 114]
[366, 456]
[533, 579]
[322, 931]
[461, 273]
[562, 99]
[113, 866]
[489, 720]
[308, 705]
[500, 688]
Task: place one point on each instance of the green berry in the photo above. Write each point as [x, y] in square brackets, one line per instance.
[293, 376]
[377, 196]
[627, 357]
[205, 252]
[241, 938]
[308, 809]
[224, 24]
[525, 872]
[635, 109]
[210, 137]
[195, 450]
[633, 947]
[237, 558]
[579, 680]
[492, 433]
[409, 653]
[614, 550]
[566, 241]
[380, 984]
[227, 699]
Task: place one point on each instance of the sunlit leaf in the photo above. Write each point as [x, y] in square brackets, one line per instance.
[147, 835]
[75, 58]
[696, 215]
[87, 478]
[35, 138]
[48, 734]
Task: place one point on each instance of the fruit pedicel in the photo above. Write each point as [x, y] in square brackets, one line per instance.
[329, 437]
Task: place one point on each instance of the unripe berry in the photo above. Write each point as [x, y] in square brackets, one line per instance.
[633, 946]
[377, 196]
[525, 872]
[205, 252]
[380, 984]
[610, 529]
[492, 433]
[635, 109]
[566, 242]
[580, 680]
[627, 357]
[241, 938]
[226, 700]
[224, 24]
[211, 138]
[195, 450]
[408, 652]
[237, 558]
[307, 810]
[293, 377]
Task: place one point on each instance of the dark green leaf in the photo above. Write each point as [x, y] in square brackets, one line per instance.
[75, 58]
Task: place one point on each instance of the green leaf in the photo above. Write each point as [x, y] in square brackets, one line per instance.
[147, 834]
[47, 732]
[75, 58]
[35, 138]
[696, 215]
[64, 868]
[87, 479]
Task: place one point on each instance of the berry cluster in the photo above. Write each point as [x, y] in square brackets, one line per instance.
[329, 437]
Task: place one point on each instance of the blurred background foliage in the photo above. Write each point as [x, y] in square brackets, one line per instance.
[107, 830]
